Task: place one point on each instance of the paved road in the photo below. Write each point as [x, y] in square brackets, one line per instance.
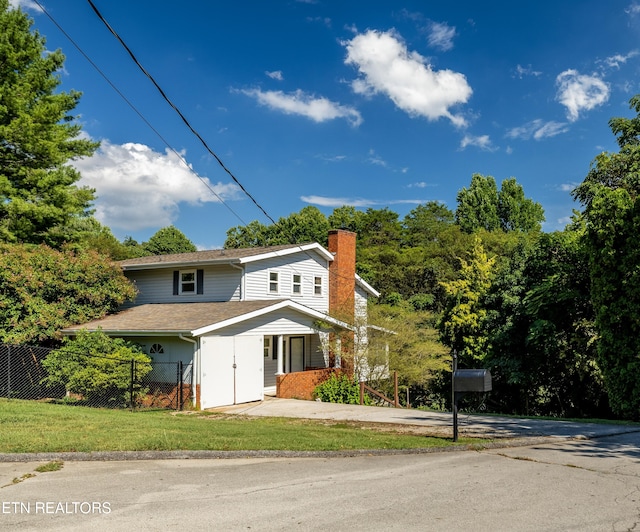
[581, 485]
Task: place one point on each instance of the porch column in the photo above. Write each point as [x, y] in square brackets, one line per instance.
[338, 359]
[280, 363]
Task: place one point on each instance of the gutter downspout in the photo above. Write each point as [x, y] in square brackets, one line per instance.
[241, 268]
[196, 367]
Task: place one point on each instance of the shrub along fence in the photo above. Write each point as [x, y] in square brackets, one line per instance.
[103, 381]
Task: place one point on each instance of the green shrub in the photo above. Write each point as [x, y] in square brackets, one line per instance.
[340, 389]
[97, 368]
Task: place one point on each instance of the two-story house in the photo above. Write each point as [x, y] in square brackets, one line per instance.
[242, 317]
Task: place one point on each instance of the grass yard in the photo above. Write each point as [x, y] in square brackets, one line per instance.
[31, 426]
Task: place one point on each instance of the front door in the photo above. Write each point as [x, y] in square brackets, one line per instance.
[296, 352]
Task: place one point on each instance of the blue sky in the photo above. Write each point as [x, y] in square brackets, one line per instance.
[327, 103]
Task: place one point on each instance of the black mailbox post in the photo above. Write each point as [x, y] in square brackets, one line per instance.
[464, 381]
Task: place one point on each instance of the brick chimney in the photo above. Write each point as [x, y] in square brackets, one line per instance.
[342, 274]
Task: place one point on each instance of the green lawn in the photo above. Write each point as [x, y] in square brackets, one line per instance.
[31, 426]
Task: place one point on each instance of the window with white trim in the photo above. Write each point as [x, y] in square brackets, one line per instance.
[187, 281]
[296, 284]
[274, 282]
[317, 286]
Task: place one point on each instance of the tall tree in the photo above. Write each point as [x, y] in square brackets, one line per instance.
[610, 194]
[38, 137]
[167, 241]
[478, 205]
[483, 206]
[462, 324]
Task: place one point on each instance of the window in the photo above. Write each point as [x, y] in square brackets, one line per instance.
[188, 282]
[267, 346]
[296, 287]
[273, 283]
[156, 349]
[317, 286]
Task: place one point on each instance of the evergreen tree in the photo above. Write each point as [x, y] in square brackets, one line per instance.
[38, 137]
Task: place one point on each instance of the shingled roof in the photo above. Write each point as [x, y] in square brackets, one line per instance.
[218, 256]
[171, 317]
[187, 318]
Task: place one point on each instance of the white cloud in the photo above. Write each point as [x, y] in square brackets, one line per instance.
[616, 60]
[538, 129]
[24, 4]
[386, 66]
[526, 71]
[633, 9]
[567, 187]
[327, 201]
[137, 188]
[276, 74]
[580, 92]
[300, 103]
[481, 141]
[441, 35]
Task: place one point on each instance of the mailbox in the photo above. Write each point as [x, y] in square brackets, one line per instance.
[472, 380]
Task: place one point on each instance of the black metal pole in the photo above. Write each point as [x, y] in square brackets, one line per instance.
[131, 383]
[8, 371]
[454, 400]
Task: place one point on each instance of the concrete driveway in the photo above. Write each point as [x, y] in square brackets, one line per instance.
[440, 423]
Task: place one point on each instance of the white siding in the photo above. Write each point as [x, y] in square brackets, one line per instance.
[308, 265]
[221, 283]
[285, 321]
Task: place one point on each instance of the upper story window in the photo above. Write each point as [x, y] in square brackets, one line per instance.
[188, 282]
[317, 286]
[296, 284]
[274, 282]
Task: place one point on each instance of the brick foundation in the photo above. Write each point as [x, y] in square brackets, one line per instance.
[300, 385]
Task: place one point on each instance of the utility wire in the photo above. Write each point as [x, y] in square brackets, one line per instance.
[144, 119]
[175, 108]
[204, 181]
[186, 121]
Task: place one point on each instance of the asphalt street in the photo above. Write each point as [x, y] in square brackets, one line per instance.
[582, 485]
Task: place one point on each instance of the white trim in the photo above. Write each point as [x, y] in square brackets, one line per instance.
[366, 286]
[278, 282]
[287, 304]
[283, 252]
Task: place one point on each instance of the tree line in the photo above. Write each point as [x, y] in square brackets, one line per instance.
[554, 316]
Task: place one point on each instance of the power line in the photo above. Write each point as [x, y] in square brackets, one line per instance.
[177, 110]
[135, 110]
[144, 119]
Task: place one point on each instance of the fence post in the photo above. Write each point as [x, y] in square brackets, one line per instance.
[8, 371]
[133, 370]
[180, 384]
[361, 392]
[395, 390]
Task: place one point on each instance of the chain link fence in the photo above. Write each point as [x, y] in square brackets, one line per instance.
[98, 381]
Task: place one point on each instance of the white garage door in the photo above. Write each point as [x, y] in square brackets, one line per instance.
[232, 370]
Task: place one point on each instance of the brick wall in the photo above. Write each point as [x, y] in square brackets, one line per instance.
[300, 385]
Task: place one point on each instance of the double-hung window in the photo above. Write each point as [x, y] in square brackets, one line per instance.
[188, 282]
[317, 286]
[296, 284]
[274, 282]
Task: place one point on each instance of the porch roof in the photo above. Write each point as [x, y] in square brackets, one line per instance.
[191, 318]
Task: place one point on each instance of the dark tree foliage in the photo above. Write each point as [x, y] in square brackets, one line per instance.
[612, 212]
[38, 137]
